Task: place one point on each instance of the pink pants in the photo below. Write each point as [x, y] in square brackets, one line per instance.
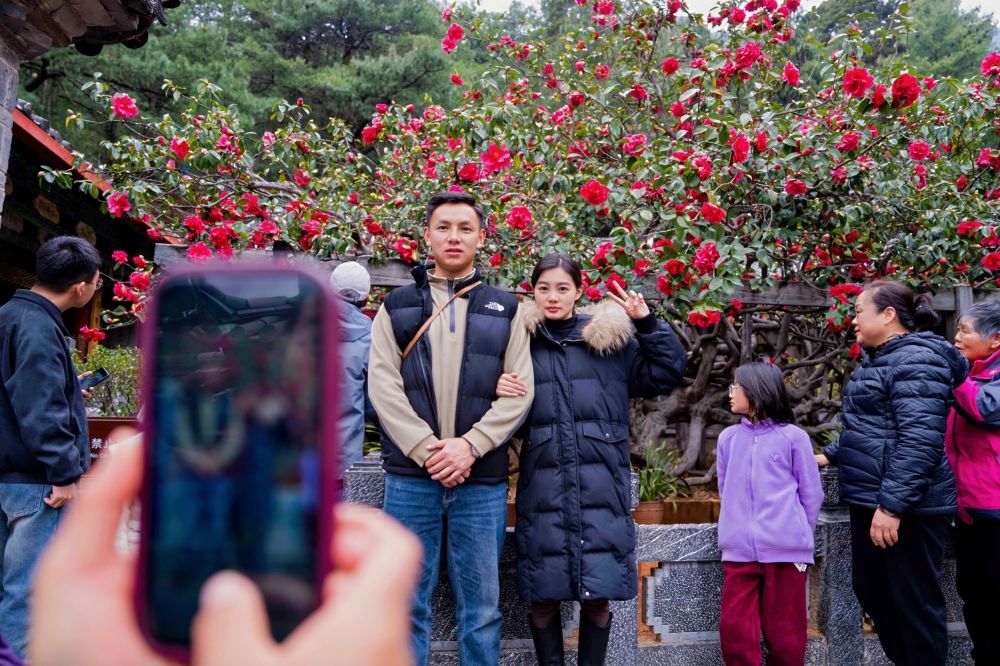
[763, 597]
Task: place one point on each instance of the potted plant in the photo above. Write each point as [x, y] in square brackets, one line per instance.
[114, 402]
[657, 485]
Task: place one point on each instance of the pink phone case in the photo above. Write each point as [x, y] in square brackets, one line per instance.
[328, 364]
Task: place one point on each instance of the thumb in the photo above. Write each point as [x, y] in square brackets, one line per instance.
[231, 626]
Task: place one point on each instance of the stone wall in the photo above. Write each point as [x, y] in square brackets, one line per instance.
[675, 619]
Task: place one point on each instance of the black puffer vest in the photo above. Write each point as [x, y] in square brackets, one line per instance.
[487, 332]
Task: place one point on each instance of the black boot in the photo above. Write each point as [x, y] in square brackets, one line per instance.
[593, 642]
[548, 642]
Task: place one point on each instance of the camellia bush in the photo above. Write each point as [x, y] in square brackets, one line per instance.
[658, 145]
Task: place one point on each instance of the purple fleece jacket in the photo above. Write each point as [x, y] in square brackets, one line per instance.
[771, 493]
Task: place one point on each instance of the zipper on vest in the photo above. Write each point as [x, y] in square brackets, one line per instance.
[451, 306]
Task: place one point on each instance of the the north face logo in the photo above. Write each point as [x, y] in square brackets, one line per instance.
[493, 305]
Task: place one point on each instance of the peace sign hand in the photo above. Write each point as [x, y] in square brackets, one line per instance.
[632, 302]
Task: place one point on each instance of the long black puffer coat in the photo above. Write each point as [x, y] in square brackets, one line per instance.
[575, 533]
[891, 450]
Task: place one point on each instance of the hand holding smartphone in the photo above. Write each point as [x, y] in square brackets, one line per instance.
[93, 379]
[240, 460]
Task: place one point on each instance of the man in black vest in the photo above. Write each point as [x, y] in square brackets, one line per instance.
[444, 433]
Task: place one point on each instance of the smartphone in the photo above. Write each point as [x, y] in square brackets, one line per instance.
[240, 466]
[92, 380]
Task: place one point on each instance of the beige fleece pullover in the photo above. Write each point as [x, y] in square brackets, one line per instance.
[446, 336]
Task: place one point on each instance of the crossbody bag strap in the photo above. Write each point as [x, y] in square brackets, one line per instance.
[426, 325]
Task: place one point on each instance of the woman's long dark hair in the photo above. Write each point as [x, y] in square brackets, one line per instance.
[558, 260]
[913, 310]
[764, 387]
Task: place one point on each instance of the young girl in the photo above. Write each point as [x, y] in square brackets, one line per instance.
[771, 494]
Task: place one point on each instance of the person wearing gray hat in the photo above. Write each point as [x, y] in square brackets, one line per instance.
[351, 283]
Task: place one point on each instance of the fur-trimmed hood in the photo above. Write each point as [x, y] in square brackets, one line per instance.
[605, 327]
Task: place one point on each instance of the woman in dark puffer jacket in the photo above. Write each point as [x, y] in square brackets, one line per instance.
[893, 471]
[575, 533]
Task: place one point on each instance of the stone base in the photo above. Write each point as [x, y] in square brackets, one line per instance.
[680, 588]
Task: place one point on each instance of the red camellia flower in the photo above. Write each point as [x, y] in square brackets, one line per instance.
[637, 92]
[878, 95]
[140, 261]
[712, 213]
[857, 81]
[519, 217]
[704, 319]
[302, 178]
[990, 67]
[705, 258]
[448, 45]
[455, 32]
[849, 142]
[118, 204]
[470, 172]
[854, 351]
[741, 147]
[795, 187]
[790, 74]
[195, 224]
[369, 134]
[761, 141]
[120, 256]
[968, 228]
[919, 150]
[179, 147]
[905, 91]
[594, 193]
[604, 7]
[594, 294]
[677, 110]
[457, 80]
[124, 106]
[91, 334]
[140, 281]
[633, 143]
[199, 253]
[496, 158]
[601, 72]
[663, 285]
[674, 267]
[992, 261]
[669, 66]
[496, 259]
[123, 293]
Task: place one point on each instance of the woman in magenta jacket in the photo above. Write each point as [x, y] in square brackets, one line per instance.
[972, 443]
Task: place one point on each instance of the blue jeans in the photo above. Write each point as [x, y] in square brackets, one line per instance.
[476, 515]
[26, 525]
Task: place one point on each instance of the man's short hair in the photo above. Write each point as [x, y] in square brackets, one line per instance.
[64, 261]
[442, 198]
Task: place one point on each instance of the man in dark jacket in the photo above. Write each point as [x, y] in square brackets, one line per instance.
[43, 423]
[444, 433]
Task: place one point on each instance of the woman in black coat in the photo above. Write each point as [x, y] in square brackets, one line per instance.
[575, 533]
[893, 471]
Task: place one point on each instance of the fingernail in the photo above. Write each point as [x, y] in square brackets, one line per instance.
[221, 590]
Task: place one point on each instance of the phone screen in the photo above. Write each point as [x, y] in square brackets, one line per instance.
[90, 381]
[234, 468]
